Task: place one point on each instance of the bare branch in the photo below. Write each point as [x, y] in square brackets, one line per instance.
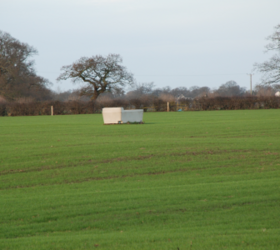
[271, 68]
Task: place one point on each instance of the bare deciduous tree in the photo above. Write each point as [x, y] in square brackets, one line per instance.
[101, 74]
[140, 89]
[230, 88]
[17, 75]
[271, 68]
[266, 90]
[180, 91]
[199, 91]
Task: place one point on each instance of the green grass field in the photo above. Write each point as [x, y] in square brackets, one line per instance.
[182, 180]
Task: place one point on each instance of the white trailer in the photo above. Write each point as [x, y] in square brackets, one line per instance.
[119, 115]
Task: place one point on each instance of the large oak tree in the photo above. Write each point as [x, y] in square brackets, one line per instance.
[101, 74]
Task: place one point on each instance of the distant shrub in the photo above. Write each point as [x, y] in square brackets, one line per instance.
[234, 103]
[3, 111]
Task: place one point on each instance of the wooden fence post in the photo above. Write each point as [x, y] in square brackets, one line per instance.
[51, 110]
[167, 106]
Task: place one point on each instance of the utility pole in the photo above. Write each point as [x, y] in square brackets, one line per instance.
[250, 82]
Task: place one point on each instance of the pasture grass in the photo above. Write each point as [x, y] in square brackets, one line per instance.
[181, 180]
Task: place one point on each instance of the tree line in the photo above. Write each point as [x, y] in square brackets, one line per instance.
[106, 78]
[151, 104]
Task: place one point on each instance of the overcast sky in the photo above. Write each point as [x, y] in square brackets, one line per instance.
[171, 43]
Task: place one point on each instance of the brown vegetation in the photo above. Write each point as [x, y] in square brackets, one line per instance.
[31, 108]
